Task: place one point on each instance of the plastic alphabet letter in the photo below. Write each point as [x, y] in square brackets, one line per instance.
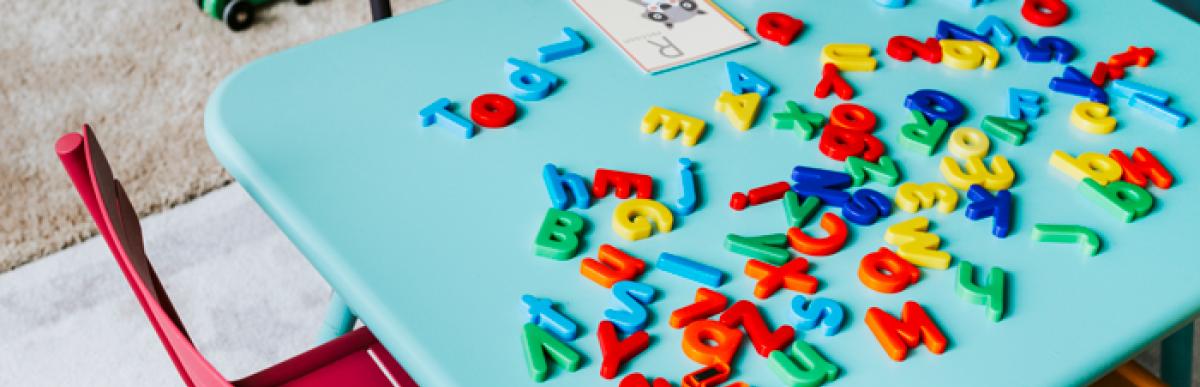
[999, 207]
[793, 275]
[805, 244]
[542, 313]
[866, 206]
[631, 314]
[530, 82]
[709, 342]
[950, 31]
[1092, 117]
[936, 105]
[991, 295]
[616, 352]
[558, 237]
[573, 45]
[802, 365]
[771, 247]
[826, 185]
[558, 184]
[632, 218]
[832, 81]
[803, 124]
[1046, 48]
[896, 336]
[539, 345]
[998, 176]
[1045, 13]
[742, 80]
[885, 272]
[439, 112]
[1092, 165]
[624, 183]
[779, 27]
[1008, 130]
[690, 269]
[884, 171]
[912, 197]
[687, 203]
[493, 111]
[765, 340]
[1125, 201]
[969, 54]
[710, 375]
[904, 48]
[741, 109]
[993, 26]
[1024, 104]
[1067, 233]
[1075, 82]
[799, 213]
[707, 304]
[916, 245]
[849, 57]
[1143, 166]
[611, 266]
[967, 142]
[820, 311]
[921, 136]
[672, 123]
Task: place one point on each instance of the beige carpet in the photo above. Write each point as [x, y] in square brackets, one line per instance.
[139, 71]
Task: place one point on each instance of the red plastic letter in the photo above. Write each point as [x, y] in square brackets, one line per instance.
[616, 352]
[774, 191]
[623, 182]
[903, 48]
[493, 111]
[709, 376]
[1045, 13]
[831, 80]
[747, 315]
[853, 117]
[707, 304]
[779, 27]
[913, 328]
[636, 379]
[1144, 165]
[838, 144]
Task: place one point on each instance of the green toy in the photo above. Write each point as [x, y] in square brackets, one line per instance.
[237, 14]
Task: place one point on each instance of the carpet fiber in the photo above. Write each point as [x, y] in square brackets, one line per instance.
[140, 72]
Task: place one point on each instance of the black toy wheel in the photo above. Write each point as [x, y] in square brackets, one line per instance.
[657, 16]
[239, 14]
[303, 2]
[688, 5]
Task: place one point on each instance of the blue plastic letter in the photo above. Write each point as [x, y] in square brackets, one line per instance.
[691, 270]
[742, 81]
[439, 110]
[542, 313]
[821, 311]
[574, 45]
[631, 315]
[558, 184]
[531, 83]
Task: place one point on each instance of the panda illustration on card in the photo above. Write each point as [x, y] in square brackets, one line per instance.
[669, 12]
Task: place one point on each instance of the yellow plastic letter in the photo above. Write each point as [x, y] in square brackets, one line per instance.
[848, 57]
[631, 219]
[741, 109]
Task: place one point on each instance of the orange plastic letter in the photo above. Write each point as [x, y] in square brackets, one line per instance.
[832, 224]
[726, 342]
[913, 328]
[885, 272]
[612, 266]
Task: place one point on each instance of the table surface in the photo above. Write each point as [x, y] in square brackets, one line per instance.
[429, 237]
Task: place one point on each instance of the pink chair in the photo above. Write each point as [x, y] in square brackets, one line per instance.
[354, 359]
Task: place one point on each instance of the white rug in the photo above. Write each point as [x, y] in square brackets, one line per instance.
[245, 294]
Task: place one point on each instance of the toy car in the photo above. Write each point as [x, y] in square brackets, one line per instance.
[670, 12]
[237, 14]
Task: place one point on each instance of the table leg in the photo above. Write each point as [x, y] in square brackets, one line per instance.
[338, 320]
[1176, 366]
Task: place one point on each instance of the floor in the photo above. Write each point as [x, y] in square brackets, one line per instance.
[246, 295]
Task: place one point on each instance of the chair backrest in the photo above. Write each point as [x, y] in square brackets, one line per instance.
[114, 215]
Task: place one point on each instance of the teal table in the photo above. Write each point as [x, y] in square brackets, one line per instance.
[429, 236]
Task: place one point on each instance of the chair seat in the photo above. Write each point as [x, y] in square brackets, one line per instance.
[355, 359]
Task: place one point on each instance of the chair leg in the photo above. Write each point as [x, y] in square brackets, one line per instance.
[1176, 368]
[380, 9]
[339, 320]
